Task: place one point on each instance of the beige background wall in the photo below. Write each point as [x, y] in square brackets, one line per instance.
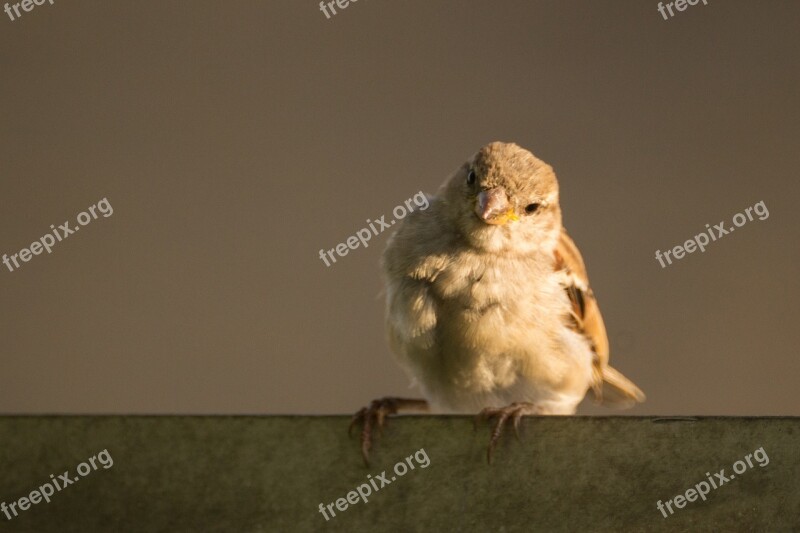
[234, 140]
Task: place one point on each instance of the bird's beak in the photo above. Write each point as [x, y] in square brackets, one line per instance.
[493, 207]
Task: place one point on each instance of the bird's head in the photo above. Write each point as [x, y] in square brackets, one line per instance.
[504, 198]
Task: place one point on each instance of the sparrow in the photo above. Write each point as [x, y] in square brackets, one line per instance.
[488, 305]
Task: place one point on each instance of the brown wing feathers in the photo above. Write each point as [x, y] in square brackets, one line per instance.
[587, 320]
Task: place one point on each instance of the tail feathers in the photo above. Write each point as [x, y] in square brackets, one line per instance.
[618, 391]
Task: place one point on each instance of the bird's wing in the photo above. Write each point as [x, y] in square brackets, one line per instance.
[585, 313]
[412, 314]
[585, 318]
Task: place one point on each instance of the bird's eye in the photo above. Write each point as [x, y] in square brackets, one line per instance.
[531, 208]
[471, 178]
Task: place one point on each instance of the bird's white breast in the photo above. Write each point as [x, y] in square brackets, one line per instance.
[501, 337]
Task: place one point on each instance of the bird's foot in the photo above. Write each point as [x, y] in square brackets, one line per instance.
[515, 412]
[375, 415]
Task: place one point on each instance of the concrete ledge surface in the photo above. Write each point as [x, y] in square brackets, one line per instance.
[270, 473]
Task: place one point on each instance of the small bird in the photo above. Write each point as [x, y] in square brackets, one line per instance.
[488, 305]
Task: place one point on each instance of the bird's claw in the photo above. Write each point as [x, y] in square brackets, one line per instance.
[375, 415]
[515, 412]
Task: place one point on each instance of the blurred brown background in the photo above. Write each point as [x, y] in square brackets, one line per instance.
[235, 140]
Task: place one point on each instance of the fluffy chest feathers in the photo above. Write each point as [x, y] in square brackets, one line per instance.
[497, 307]
[481, 285]
[493, 331]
